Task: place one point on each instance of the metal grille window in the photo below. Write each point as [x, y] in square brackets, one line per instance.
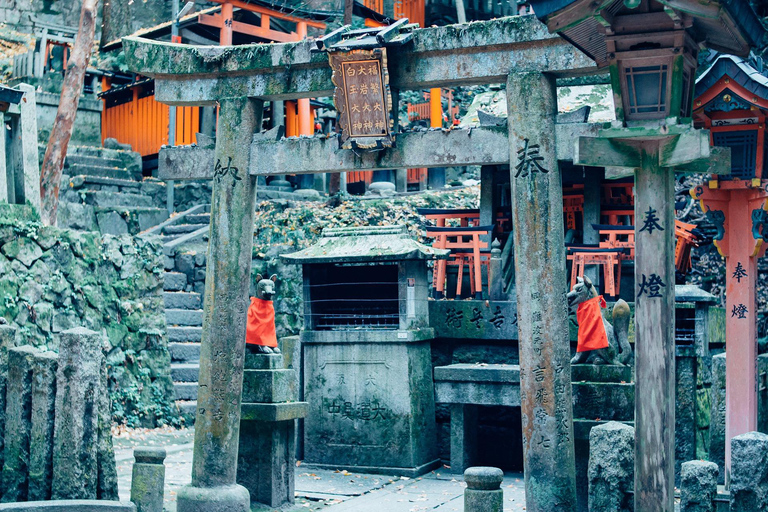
[344, 297]
[743, 146]
[647, 89]
[685, 326]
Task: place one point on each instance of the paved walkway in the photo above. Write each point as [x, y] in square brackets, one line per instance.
[316, 489]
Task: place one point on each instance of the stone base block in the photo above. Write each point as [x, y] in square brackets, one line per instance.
[604, 400]
[273, 412]
[270, 386]
[264, 361]
[266, 461]
[229, 498]
[379, 470]
[601, 373]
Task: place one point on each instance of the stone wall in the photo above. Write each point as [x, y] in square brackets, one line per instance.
[87, 128]
[58, 12]
[52, 280]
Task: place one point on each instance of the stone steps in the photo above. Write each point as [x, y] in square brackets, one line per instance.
[99, 170]
[184, 352]
[181, 229]
[185, 390]
[85, 181]
[186, 334]
[174, 281]
[188, 410]
[92, 160]
[111, 219]
[185, 372]
[182, 300]
[116, 199]
[185, 317]
[199, 218]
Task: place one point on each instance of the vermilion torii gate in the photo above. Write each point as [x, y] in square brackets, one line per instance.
[515, 50]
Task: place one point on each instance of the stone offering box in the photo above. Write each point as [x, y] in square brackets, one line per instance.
[367, 359]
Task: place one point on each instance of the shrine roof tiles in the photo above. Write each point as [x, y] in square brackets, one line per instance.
[738, 70]
[365, 244]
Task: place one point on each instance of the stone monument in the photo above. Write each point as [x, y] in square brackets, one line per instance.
[367, 355]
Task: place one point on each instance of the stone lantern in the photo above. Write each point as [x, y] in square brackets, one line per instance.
[649, 47]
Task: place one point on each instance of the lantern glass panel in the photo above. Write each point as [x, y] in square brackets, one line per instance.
[647, 90]
[743, 146]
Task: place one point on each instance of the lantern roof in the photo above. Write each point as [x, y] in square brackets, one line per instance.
[728, 26]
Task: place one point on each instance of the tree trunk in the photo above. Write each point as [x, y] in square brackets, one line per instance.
[53, 163]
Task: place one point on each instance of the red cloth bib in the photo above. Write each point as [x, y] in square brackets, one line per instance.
[591, 329]
[261, 323]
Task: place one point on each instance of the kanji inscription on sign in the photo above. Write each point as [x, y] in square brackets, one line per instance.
[362, 98]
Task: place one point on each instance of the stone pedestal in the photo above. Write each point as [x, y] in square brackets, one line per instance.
[483, 492]
[599, 391]
[43, 416]
[148, 479]
[698, 487]
[18, 422]
[266, 461]
[7, 341]
[83, 462]
[371, 401]
[611, 467]
[749, 472]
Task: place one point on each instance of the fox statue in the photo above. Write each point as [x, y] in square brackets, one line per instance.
[618, 351]
[260, 331]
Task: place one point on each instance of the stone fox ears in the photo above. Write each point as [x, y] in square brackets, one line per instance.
[585, 281]
[273, 278]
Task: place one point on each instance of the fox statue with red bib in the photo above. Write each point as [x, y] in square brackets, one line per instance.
[600, 341]
[260, 337]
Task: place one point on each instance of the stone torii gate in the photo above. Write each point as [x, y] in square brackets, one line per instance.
[239, 79]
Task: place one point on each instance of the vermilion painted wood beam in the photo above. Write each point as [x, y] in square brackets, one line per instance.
[270, 12]
[217, 21]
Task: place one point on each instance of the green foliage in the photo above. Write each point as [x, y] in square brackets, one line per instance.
[131, 408]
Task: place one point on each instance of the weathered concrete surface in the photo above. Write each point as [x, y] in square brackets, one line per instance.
[80, 389]
[611, 467]
[698, 486]
[474, 319]
[368, 407]
[217, 424]
[148, 479]
[480, 52]
[749, 472]
[43, 417]
[71, 506]
[717, 416]
[434, 148]
[7, 341]
[18, 412]
[545, 376]
[483, 492]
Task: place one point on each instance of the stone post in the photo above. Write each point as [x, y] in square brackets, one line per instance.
[463, 436]
[7, 341]
[148, 479]
[43, 417]
[698, 487]
[654, 334]
[611, 467]
[25, 151]
[545, 375]
[18, 411]
[78, 467]
[483, 492]
[749, 472]
[717, 416]
[593, 179]
[217, 425]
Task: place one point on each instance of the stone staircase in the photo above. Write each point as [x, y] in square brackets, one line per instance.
[190, 224]
[184, 317]
[102, 189]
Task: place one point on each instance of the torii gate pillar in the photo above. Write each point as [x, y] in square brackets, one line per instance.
[730, 205]
[217, 423]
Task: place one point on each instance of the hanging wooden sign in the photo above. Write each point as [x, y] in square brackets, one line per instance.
[362, 98]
